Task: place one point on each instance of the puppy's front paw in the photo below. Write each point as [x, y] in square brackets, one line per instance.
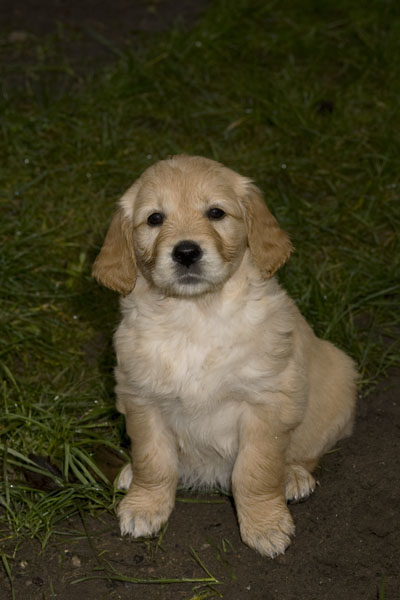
[299, 483]
[268, 531]
[141, 513]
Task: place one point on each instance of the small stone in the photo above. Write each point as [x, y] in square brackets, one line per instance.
[76, 561]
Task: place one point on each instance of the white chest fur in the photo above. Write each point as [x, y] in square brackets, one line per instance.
[200, 362]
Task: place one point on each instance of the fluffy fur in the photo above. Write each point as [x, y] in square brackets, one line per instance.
[221, 380]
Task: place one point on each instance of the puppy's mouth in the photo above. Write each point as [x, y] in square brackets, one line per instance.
[190, 279]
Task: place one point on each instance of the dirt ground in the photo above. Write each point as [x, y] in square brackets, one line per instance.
[346, 545]
[347, 534]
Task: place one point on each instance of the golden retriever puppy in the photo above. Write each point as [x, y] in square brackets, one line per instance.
[221, 380]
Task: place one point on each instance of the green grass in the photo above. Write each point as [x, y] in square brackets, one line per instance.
[302, 96]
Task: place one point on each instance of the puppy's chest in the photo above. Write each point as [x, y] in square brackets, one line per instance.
[197, 360]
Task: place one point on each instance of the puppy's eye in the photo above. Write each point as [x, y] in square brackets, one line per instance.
[215, 214]
[155, 219]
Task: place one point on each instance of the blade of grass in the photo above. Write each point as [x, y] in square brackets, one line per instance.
[8, 573]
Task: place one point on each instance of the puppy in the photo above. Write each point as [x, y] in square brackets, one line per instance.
[221, 380]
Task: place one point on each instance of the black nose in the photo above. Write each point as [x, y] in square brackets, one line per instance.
[187, 253]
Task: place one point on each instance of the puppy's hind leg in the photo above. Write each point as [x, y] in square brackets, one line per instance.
[328, 418]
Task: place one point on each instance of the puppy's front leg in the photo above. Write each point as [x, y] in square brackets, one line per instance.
[151, 495]
[258, 483]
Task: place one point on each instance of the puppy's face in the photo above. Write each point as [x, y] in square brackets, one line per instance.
[185, 224]
[188, 228]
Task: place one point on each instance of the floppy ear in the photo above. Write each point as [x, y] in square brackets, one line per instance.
[115, 265]
[269, 245]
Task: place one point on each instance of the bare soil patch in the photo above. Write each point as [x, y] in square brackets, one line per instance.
[346, 543]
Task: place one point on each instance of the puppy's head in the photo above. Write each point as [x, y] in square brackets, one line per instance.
[185, 225]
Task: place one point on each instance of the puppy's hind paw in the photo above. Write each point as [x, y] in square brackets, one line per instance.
[124, 479]
[299, 483]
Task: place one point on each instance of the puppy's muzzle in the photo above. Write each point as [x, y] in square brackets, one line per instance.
[187, 253]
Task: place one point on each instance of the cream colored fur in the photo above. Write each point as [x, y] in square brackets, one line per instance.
[221, 380]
